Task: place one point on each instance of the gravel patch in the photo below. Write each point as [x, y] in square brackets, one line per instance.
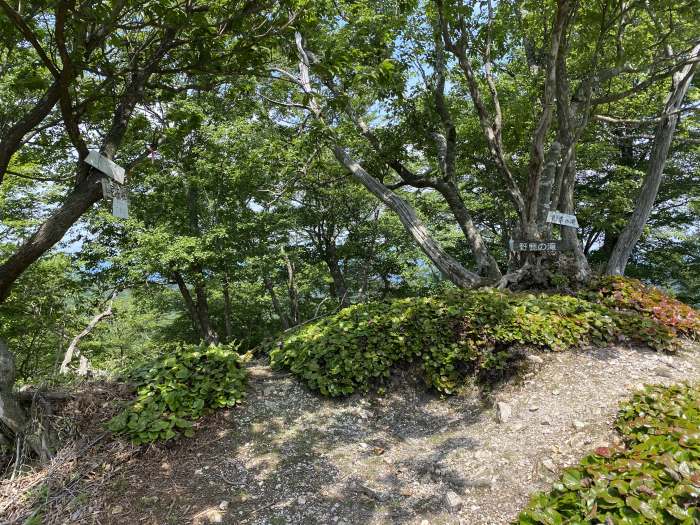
[289, 456]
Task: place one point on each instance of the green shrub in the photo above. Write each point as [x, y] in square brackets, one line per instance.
[450, 337]
[654, 477]
[178, 388]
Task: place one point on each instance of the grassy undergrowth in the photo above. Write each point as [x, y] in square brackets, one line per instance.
[653, 477]
[177, 389]
[473, 333]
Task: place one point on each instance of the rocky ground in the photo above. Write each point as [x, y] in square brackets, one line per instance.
[289, 456]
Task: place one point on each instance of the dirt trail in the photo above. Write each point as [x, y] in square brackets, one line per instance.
[288, 456]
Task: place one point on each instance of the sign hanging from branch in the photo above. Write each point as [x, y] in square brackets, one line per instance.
[119, 195]
[564, 219]
[120, 201]
[106, 166]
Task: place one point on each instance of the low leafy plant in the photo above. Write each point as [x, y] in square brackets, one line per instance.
[178, 388]
[449, 337]
[653, 477]
[623, 293]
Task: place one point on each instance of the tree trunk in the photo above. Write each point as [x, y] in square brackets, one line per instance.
[12, 139]
[446, 264]
[657, 161]
[227, 310]
[81, 199]
[339, 288]
[189, 302]
[486, 264]
[12, 416]
[87, 191]
[208, 333]
[292, 291]
[198, 309]
[73, 347]
[275, 303]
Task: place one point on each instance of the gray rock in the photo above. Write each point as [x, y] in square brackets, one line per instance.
[371, 493]
[503, 412]
[662, 371]
[453, 501]
[578, 425]
[549, 465]
[535, 359]
[478, 483]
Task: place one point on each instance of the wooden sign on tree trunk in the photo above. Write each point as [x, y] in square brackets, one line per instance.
[563, 219]
[537, 246]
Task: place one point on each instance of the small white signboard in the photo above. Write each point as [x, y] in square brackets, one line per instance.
[120, 201]
[106, 166]
[120, 208]
[556, 217]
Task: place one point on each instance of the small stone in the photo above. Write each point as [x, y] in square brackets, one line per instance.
[224, 505]
[117, 510]
[535, 359]
[453, 501]
[364, 446]
[479, 483]
[663, 372]
[301, 500]
[405, 491]
[533, 408]
[545, 422]
[555, 392]
[578, 425]
[424, 522]
[503, 412]
[549, 465]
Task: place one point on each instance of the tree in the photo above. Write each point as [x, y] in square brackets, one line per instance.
[492, 48]
[100, 89]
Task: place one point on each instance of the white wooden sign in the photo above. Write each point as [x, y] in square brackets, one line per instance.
[106, 166]
[556, 217]
[119, 195]
[120, 208]
[120, 201]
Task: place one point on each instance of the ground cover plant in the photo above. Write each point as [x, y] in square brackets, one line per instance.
[653, 477]
[631, 294]
[178, 388]
[464, 333]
